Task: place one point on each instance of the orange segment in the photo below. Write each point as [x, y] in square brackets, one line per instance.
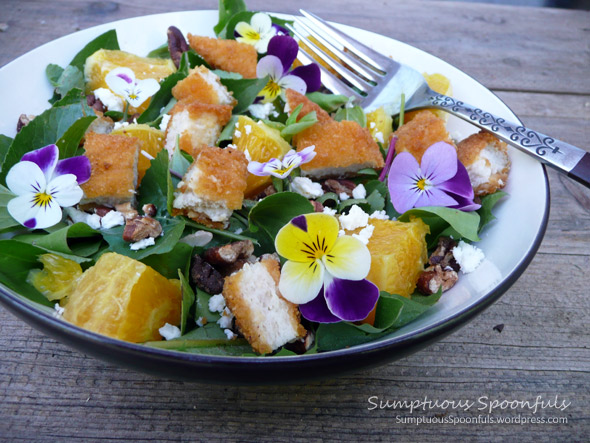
[103, 61]
[125, 299]
[438, 83]
[58, 277]
[263, 143]
[380, 125]
[152, 142]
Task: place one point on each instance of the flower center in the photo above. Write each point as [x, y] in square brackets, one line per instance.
[42, 199]
[252, 35]
[271, 90]
[422, 184]
[316, 249]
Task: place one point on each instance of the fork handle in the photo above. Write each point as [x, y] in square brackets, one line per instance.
[562, 156]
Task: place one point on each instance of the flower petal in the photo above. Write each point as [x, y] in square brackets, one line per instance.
[285, 48]
[459, 184]
[434, 197]
[292, 159]
[301, 282]
[310, 74]
[245, 30]
[261, 22]
[439, 162]
[317, 310]
[79, 166]
[307, 154]
[269, 65]
[401, 182]
[351, 300]
[300, 243]
[45, 158]
[264, 169]
[26, 177]
[144, 89]
[292, 82]
[119, 80]
[65, 190]
[24, 211]
[464, 203]
[349, 258]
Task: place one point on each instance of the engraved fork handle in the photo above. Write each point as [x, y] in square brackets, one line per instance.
[562, 156]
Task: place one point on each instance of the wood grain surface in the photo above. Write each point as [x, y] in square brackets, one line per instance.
[538, 62]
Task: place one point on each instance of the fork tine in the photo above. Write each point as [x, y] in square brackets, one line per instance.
[368, 55]
[357, 65]
[330, 81]
[348, 75]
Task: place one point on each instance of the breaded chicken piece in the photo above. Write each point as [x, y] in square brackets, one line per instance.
[113, 178]
[227, 55]
[486, 160]
[342, 148]
[418, 135]
[196, 124]
[204, 86]
[212, 187]
[264, 317]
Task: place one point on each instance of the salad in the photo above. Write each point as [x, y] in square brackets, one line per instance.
[213, 197]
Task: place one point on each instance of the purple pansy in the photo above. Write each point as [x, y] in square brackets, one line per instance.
[282, 52]
[282, 169]
[440, 180]
[43, 185]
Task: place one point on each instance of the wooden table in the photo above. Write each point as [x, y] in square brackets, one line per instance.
[538, 62]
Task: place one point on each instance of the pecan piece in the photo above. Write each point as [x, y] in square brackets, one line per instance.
[138, 228]
[95, 103]
[433, 277]
[206, 277]
[269, 190]
[339, 186]
[177, 44]
[230, 253]
[317, 206]
[149, 209]
[23, 121]
[302, 345]
[443, 254]
[127, 210]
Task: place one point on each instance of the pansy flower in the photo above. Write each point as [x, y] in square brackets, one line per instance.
[282, 168]
[325, 274]
[440, 180]
[122, 81]
[256, 33]
[44, 185]
[282, 52]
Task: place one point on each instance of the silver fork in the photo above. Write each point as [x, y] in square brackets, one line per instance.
[373, 80]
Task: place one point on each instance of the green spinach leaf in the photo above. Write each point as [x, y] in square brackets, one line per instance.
[108, 40]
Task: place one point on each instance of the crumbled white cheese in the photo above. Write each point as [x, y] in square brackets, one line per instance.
[329, 211]
[217, 303]
[237, 134]
[238, 231]
[356, 218]
[201, 321]
[261, 111]
[468, 256]
[307, 188]
[359, 191]
[365, 234]
[372, 125]
[119, 125]
[108, 99]
[164, 123]
[248, 129]
[112, 219]
[379, 215]
[199, 238]
[343, 196]
[58, 311]
[232, 146]
[225, 321]
[341, 233]
[169, 331]
[92, 220]
[229, 334]
[142, 244]
[379, 137]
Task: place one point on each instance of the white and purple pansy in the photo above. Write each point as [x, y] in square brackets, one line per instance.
[43, 185]
[325, 274]
[122, 82]
[282, 52]
[440, 180]
[282, 168]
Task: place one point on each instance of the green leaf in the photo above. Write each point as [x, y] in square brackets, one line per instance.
[43, 130]
[160, 98]
[53, 73]
[487, 204]
[227, 9]
[168, 264]
[292, 126]
[388, 311]
[368, 172]
[228, 132]
[202, 307]
[221, 233]
[276, 210]
[465, 223]
[6, 220]
[172, 228]
[376, 201]
[413, 307]
[69, 142]
[179, 163]
[328, 102]
[108, 40]
[244, 91]
[71, 78]
[73, 97]
[154, 185]
[5, 143]
[230, 24]
[188, 298]
[63, 240]
[160, 52]
[355, 114]
[328, 197]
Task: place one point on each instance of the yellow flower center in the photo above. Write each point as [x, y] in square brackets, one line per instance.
[132, 96]
[42, 199]
[316, 249]
[252, 35]
[271, 90]
[422, 185]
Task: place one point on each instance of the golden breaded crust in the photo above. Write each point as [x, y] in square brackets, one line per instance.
[196, 108]
[342, 149]
[113, 159]
[249, 325]
[295, 99]
[195, 87]
[418, 135]
[228, 55]
[472, 153]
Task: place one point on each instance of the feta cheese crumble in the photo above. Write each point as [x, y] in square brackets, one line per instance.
[365, 234]
[248, 129]
[119, 125]
[329, 211]
[142, 244]
[112, 219]
[359, 192]
[307, 188]
[92, 220]
[201, 321]
[226, 319]
[58, 311]
[229, 334]
[379, 215]
[217, 303]
[468, 256]
[108, 99]
[164, 123]
[261, 111]
[343, 196]
[356, 218]
[169, 331]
